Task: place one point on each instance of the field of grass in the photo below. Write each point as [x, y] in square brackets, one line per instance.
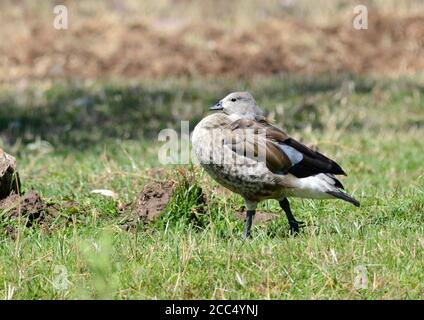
[71, 138]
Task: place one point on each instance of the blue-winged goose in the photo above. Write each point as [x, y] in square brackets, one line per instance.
[255, 159]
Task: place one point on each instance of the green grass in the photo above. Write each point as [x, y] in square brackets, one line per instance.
[103, 135]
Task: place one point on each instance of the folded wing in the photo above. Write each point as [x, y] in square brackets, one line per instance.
[283, 154]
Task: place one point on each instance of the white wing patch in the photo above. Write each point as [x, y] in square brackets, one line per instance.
[293, 155]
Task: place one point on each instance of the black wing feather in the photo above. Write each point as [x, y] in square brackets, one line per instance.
[313, 162]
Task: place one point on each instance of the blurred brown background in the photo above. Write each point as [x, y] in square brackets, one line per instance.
[184, 38]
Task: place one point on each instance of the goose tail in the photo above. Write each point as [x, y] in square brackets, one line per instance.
[344, 196]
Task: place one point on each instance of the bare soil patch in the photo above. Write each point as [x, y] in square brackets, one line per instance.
[138, 49]
[260, 216]
[177, 191]
[152, 200]
[31, 209]
[149, 203]
[28, 209]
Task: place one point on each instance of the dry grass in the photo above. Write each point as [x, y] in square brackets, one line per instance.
[157, 39]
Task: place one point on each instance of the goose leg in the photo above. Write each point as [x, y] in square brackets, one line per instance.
[250, 214]
[294, 224]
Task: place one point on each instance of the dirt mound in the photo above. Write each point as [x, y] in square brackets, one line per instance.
[153, 199]
[96, 48]
[177, 191]
[29, 207]
[149, 203]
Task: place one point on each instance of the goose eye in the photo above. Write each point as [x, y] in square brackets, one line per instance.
[233, 99]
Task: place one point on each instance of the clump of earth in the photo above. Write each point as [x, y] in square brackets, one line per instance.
[149, 203]
[27, 209]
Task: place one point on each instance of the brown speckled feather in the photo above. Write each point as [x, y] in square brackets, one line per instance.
[265, 134]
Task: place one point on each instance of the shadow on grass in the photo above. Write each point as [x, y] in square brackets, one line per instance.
[77, 115]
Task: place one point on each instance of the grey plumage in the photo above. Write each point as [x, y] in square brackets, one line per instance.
[253, 158]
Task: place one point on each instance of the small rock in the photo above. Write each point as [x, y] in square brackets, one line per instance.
[106, 193]
[9, 178]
